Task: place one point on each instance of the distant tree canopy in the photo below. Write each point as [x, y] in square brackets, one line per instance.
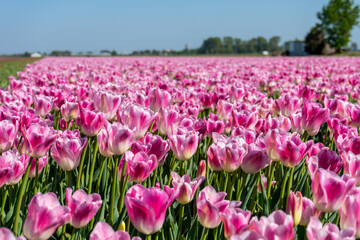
[60, 53]
[315, 41]
[337, 19]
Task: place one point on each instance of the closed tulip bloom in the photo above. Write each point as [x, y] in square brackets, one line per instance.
[108, 103]
[350, 212]
[70, 111]
[232, 154]
[306, 92]
[294, 206]
[103, 141]
[6, 234]
[315, 231]
[83, 206]
[287, 104]
[326, 159]
[255, 160]
[159, 98]
[292, 150]
[234, 220]
[147, 207]
[312, 116]
[352, 166]
[247, 235]
[296, 123]
[185, 145]
[90, 122]
[41, 164]
[138, 118]
[45, 216]
[210, 204]
[272, 140]
[103, 231]
[212, 125]
[187, 188]
[308, 210]
[120, 138]
[12, 167]
[67, 152]
[223, 109]
[167, 118]
[201, 171]
[8, 133]
[329, 190]
[139, 165]
[213, 157]
[355, 116]
[38, 138]
[43, 104]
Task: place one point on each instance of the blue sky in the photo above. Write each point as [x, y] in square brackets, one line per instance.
[88, 25]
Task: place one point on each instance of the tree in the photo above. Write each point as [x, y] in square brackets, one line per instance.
[315, 41]
[228, 44]
[274, 44]
[211, 45]
[337, 20]
[261, 44]
[114, 53]
[354, 46]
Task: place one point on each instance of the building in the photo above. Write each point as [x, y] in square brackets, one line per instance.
[35, 55]
[295, 48]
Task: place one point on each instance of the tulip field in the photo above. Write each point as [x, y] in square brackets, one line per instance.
[181, 148]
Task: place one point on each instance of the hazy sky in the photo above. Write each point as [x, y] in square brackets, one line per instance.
[82, 25]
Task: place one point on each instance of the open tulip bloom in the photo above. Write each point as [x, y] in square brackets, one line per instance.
[181, 148]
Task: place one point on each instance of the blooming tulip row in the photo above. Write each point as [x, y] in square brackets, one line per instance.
[181, 148]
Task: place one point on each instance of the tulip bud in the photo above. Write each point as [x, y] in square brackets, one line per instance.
[201, 171]
[294, 206]
[122, 226]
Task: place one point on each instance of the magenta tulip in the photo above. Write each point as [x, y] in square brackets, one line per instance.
[234, 220]
[312, 116]
[223, 109]
[120, 138]
[103, 231]
[159, 98]
[255, 160]
[201, 171]
[147, 207]
[108, 103]
[184, 146]
[139, 165]
[187, 188]
[103, 142]
[41, 164]
[83, 206]
[45, 215]
[329, 190]
[294, 206]
[308, 210]
[326, 159]
[8, 133]
[287, 104]
[12, 167]
[70, 111]
[6, 234]
[352, 166]
[167, 118]
[43, 104]
[315, 231]
[90, 122]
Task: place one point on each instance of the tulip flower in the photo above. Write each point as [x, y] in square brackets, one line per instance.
[223, 109]
[329, 190]
[315, 231]
[120, 138]
[159, 98]
[214, 126]
[234, 220]
[12, 167]
[103, 231]
[272, 140]
[45, 216]
[352, 165]
[201, 171]
[247, 235]
[187, 188]
[326, 159]
[90, 122]
[83, 206]
[70, 111]
[43, 104]
[167, 117]
[287, 104]
[213, 157]
[138, 118]
[38, 138]
[41, 164]
[139, 165]
[308, 210]
[8, 133]
[67, 152]
[103, 141]
[312, 116]
[6, 234]
[349, 212]
[108, 103]
[210, 205]
[184, 146]
[306, 92]
[355, 116]
[146, 207]
[294, 206]
[255, 160]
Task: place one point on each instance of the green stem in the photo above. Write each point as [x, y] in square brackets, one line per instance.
[289, 185]
[68, 179]
[4, 197]
[205, 234]
[19, 199]
[154, 177]
[270, 178]
[226, 181]
[36, 175]
[181, 216]
[81, 166]
[266, 201]
[100, 175]
[93, 166]
[182, 166]
[148, 237]
[113, 191]
[123, 187]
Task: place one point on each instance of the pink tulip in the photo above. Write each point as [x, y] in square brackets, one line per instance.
[308, 210]
[43, 104]
[67, 152]
[329, 190]
[212, 125]
[139, 165]
[137, 118]
[350, 212]
[247, 134]
[312, 116]
[315, 231]
[83, 206]
[247, 235]
[167, 118]
[187, 188]
[41, 164]
[184, 146]
[8, 133]
[287, 104]
[355, 116]
[103, 142]
[213, 157]
[223, 109]
[159, 98]
[201, 171]
[296, 123]
[147, 207]
[210, 205]
[90, 122]
[234, 220]
[103, 231]
[45, 215]
[272, 140]
[70, 111]
[306, 92]
[255, 160]
[6, 234]
[352, 166]
[326, 159]
[108, 103]
[120, 138]
[38, 138]
[12, 167]
[294, 206]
